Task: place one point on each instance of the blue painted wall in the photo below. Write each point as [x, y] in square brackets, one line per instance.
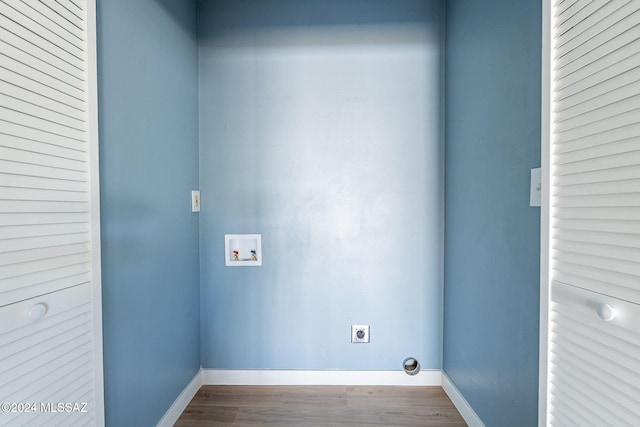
[320, 128]
[147, 70]
[493, 51]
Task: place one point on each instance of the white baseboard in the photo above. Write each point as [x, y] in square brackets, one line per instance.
[460, 402]
[179, 405]
[303, 377]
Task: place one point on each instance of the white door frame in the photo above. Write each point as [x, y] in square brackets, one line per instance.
[96, 271]
[545, 211]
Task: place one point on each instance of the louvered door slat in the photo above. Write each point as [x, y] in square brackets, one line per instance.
[19, 170]
[41, 101]
[60, 331]
[68, 12]
[599, 200]
[42, 25]
[42, 159]
[38, 218]
[49, 113]
[34, 122]
[624, 133]
[45, 195]
[19, 206]
[37, 182]
[626, 213]
[37, 41]
[39, 52]
[614, 236]
[601, 96]
[593, 341]
[63, 274]
[605, 175]
[581, 399]
[61, 24]
[21, 372]
[41, 148]
[617, 87]
[11, 258]
[23, 77]
[30, 335]
[40, 64]
[12, 245]
[598, 250]
[569, 37]
[60, 261]
[9, 128]
[25, 193]
[610, 187]
[617, 62]
[563, 7]
[22, 107]
[36, 74]
[599, 151]
[76, 3]
[31, 230]
[17, 193]
[578, 17]
[27, 243]
[594, 49]
[575, 361]
[599, 225]
[598, 111]
[570, 416]
[606, 124]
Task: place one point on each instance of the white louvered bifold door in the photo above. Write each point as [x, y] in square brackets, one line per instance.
[50, 327]
[594, 309]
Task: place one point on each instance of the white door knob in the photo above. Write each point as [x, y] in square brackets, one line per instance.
[38, 311]
[606, 312]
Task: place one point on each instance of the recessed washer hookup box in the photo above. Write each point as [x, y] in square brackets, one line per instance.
[243, 250]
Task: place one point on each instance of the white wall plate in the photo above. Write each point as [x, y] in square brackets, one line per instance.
[535, 193]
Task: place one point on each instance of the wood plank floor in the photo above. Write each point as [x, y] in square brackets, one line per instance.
[320, 406]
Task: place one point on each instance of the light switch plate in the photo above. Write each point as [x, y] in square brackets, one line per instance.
[195, 200]
[535, 195]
